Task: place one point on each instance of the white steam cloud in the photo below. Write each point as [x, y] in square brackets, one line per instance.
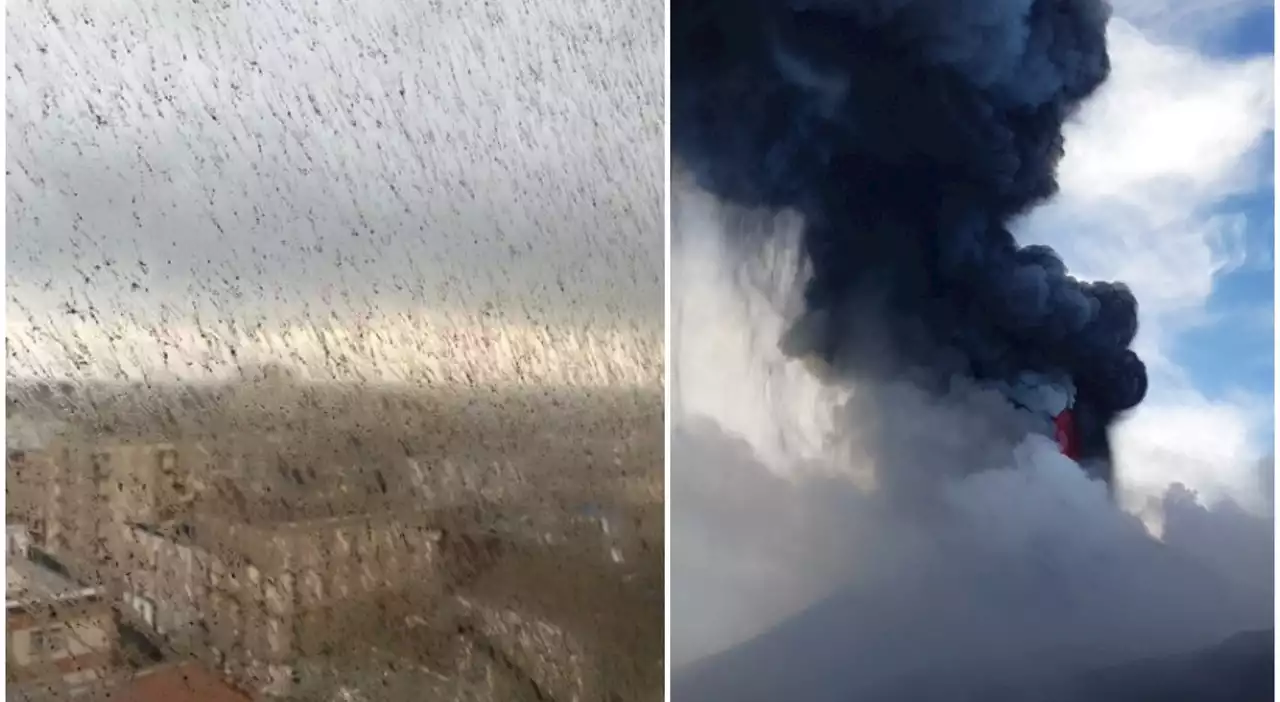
[858, 537]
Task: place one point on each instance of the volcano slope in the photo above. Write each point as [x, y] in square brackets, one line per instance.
[906, 650]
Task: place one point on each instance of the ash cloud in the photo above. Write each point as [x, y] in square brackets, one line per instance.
[910, 134]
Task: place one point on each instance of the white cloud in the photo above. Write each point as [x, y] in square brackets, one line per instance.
[1208, 446]
[1167, 124]
[1169, 136]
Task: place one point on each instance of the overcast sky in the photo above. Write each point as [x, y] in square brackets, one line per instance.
[349, 165]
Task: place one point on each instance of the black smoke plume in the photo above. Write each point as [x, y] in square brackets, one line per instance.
[910, 134]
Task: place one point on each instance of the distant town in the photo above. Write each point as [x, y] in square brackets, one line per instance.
[282, 540]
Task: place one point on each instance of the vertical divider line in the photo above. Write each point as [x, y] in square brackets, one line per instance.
[666, 349]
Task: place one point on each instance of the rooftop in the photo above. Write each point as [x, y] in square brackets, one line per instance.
[185, 682]
[28, 581]
[28, 434]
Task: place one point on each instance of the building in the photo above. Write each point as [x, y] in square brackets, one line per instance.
[63, 644]
[186, 538]
[268, 550]
[17, 542]
[249, 599]
[97, 488]
[269, 604]
[28, 472]
[60, 635]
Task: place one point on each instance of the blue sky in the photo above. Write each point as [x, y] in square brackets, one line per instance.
[1252, 34]
[1237, 353]
[1234, 353]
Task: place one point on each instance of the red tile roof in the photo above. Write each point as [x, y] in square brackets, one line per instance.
[187, 682]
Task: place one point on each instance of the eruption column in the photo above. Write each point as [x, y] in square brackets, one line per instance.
[909, 133]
